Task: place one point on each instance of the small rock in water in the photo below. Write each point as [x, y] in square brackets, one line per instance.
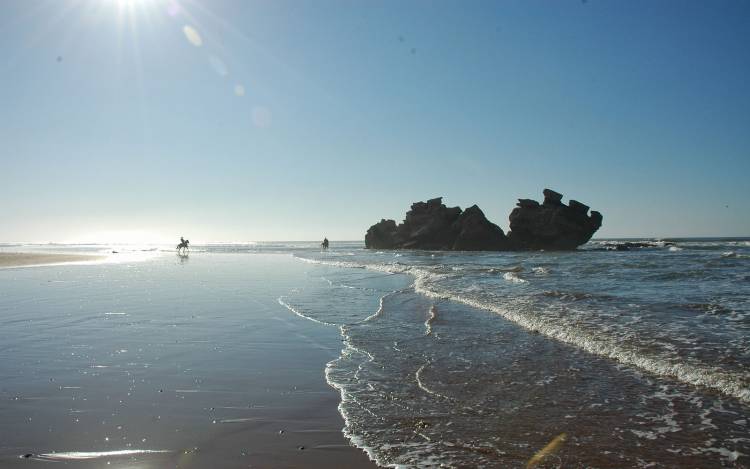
[27, 456]
[301, 448]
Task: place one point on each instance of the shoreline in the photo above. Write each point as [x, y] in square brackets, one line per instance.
[187, 361]
[33, 259]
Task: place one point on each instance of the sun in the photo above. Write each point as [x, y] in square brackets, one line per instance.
[142, 5]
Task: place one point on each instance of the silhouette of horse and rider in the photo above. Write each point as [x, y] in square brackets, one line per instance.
[184, 247]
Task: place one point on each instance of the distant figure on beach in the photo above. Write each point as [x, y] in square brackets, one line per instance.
[324, 244]
[183, 247]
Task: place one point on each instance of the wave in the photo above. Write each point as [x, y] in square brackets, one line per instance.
[697, 374]
[380, 308]
[423, 386]
[734, 255]
[513, 277]
[570, 296]
[282, 301]
[612, 245]
[348, 399]
[692, 373]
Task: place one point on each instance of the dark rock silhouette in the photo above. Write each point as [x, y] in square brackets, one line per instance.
[476, 233]
[433, 226]
[552, 225]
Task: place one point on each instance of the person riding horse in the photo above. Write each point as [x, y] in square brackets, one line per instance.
[324, 244]
[183, 246]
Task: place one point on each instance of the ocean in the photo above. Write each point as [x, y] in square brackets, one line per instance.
[605, 356]
[639, 357]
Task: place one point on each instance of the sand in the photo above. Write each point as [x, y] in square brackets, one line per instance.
[20, 259]
[172, 362]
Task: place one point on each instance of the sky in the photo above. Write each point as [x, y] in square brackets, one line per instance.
[232, 121]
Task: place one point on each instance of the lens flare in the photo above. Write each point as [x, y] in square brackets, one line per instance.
[192, 36]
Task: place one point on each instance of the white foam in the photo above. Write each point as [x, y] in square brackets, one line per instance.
[692, 373]
[286, 305]
[348, 399]
[697, 374]
[430, 319]
[512, 277]
[725, 453]
[421, 384]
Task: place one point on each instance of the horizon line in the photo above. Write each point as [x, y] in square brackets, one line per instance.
[207, 243]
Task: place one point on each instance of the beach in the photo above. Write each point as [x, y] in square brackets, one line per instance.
[20, 259]
[286, 355]
[176, 361]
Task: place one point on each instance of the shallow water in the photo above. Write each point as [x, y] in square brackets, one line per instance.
[164, 363]
[638, 357]
[624, 358]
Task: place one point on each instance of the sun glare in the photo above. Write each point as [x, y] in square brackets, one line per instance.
[137, 6]
[124, 237]
[132, 2]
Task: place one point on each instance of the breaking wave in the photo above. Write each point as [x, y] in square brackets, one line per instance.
[427, 282]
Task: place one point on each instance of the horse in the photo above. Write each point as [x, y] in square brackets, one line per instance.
[183, 247]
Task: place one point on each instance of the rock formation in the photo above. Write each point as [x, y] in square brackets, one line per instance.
[433, 226]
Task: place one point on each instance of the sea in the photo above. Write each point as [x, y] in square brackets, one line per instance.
[623, 353]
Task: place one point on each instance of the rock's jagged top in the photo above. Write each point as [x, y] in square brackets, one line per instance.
[432, 225]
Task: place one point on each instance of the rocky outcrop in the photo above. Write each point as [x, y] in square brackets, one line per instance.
[476, 233]
[552, 225]
[433, 226]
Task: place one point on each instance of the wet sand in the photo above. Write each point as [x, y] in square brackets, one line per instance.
[21, 259]
[173, 362]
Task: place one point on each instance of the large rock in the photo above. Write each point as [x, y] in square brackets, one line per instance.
[552, 225]
[381, 235]
[475, 233]
[433, 226]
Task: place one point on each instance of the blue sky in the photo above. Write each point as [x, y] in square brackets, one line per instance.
[115, 125]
